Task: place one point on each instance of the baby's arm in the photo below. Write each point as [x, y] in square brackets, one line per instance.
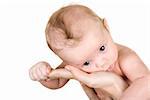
[40, 72]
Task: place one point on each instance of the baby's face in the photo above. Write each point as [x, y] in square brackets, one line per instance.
[95, 52]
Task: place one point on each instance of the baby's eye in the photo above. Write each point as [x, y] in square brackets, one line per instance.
[86, 63]
[102, 48]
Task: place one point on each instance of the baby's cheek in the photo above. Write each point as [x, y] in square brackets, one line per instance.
[112, 55]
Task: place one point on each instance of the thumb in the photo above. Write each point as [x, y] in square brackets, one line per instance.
[79, 74]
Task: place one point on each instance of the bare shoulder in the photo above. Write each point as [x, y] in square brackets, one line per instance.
[124, 51]
[126, 55]
[130, 63]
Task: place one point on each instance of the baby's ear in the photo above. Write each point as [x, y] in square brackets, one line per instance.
[106, 25]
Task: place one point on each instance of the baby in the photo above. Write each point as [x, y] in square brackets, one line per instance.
[104, 68]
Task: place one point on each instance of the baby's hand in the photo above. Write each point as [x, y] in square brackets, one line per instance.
[40, 71]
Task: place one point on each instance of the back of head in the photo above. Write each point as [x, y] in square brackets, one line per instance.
[58, 34]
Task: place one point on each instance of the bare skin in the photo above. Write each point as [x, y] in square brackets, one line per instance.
[59, 80]
[104, 68]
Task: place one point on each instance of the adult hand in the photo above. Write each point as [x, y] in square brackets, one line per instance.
[107, 81]
[111, 83]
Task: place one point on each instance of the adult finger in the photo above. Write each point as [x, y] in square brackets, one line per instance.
[60, 73]
[80, 75]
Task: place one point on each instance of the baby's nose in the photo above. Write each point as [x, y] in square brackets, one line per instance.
[99, 61]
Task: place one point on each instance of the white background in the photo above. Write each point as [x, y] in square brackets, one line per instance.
[22, 42]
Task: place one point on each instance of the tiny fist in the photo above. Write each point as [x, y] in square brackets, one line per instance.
[39, 71]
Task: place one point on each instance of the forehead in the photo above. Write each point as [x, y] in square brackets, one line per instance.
[92, 36]
[84, 25]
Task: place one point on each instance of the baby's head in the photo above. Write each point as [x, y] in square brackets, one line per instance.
[81, 39]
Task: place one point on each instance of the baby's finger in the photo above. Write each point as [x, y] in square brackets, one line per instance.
[44, 72]
[39, 74]
[30, 74]
[34, 74]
